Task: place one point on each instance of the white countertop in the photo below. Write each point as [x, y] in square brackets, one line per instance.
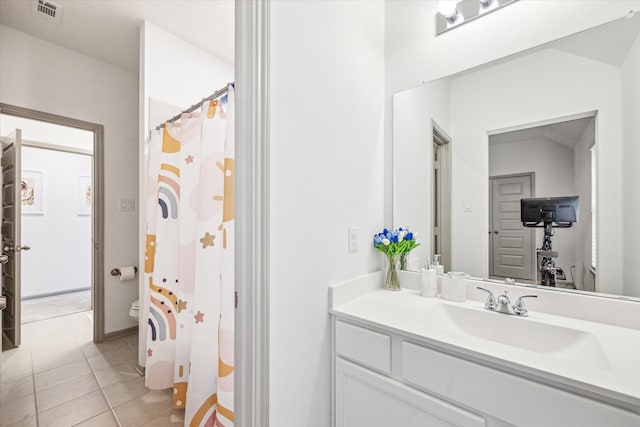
[615, 378]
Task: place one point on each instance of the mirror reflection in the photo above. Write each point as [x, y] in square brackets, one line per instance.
[559, 120]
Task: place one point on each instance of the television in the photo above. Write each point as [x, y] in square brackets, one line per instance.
[560, 212]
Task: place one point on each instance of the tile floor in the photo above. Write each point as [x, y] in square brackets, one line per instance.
[59, 377]
[44, 308]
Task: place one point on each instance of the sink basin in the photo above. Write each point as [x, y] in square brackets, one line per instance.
[569, 344]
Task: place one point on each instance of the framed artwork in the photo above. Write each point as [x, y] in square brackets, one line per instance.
[31, 192]
[85, 195]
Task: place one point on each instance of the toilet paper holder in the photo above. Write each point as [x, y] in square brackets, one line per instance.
[116, 271]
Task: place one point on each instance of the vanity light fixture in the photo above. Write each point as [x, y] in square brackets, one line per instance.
[453, 13]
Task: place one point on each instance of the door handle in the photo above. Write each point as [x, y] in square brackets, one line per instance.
[4, 259]
[18, 248]
[495, 231]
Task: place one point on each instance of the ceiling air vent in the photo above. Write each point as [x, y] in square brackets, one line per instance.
[47, 10]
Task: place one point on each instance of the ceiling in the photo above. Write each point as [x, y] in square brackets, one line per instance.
[108, 30]
[566, 133]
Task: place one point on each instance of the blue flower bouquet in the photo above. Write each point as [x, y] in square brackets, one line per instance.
[396, 245]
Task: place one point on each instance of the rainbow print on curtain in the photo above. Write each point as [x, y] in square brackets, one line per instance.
[189, 263]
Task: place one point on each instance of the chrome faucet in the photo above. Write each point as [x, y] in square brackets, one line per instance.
[503, 304]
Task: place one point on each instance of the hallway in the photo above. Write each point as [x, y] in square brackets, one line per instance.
[38, 309]
[59, 377]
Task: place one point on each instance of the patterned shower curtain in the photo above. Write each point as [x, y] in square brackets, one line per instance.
[189, 263]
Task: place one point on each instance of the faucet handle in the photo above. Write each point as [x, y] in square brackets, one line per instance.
[491, 303]
[519, 307]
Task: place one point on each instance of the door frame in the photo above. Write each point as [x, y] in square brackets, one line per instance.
[97, 213]
[252, 41]
[441, 138]
[534, 262]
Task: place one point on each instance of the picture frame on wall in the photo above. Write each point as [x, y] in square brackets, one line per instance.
[31, 192]
[85, 195]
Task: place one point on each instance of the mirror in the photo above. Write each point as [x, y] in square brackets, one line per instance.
[557, 120]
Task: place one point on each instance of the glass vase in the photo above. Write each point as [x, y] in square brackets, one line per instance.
[404, 261]
[391, 282]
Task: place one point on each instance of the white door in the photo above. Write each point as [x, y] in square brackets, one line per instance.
[510, 244]
[11, 244]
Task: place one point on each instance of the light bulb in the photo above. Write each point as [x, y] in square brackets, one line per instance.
[448, 8]
[487, 5]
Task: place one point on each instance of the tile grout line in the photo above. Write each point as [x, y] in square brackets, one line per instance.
[33, 384]
[111, 408]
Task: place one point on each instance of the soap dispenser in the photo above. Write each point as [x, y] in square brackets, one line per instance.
[428, 281]
[436, 264]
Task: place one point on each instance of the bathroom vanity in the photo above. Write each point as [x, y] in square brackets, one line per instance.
[400, 359]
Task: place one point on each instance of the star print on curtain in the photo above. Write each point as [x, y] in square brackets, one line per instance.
[189, 263]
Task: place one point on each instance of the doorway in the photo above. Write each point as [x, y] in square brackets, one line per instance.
[56, 271]
[52, 232]
[560, 153]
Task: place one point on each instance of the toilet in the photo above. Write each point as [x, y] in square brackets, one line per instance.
[135, 310]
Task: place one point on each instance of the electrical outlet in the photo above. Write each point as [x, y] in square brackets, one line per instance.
[353, 239]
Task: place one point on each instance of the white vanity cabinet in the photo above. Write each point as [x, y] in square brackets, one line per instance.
[388, 378]
[367, 395]
[365, 398]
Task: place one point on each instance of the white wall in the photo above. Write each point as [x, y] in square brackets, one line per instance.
[176, 72]
[43, 76]
[60, 239]
[326, 172]
[552, 165]
[414, 112]
[631, 134]
[495, 98]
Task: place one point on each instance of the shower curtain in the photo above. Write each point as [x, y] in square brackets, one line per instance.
[189, 263]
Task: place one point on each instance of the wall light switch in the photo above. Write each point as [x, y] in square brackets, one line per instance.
[353, 239]
[467, 205]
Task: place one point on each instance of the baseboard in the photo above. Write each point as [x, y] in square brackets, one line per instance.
[53, 294]
[120, 333]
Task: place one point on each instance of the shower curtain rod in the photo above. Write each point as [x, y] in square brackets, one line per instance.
[217, 94]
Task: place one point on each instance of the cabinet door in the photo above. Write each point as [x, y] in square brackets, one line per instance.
[510, 398]
[365, 398]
